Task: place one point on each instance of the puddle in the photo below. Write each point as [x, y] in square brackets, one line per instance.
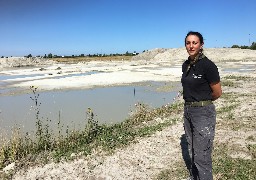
[78, 74]
[109, 104]
[9, 77]
[242, 68]
[4, 77]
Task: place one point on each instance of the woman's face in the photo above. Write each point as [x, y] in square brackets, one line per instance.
[193, 46]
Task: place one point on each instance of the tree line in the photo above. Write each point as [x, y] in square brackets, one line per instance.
[50, 55]
[252, 47]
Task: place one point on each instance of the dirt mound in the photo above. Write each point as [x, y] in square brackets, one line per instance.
[23, 61]
[180, 54]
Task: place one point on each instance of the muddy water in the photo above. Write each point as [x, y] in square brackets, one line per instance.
[109, 105]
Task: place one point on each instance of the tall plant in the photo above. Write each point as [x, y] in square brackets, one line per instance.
[42, 132]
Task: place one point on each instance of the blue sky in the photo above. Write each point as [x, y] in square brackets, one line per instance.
[74, 27]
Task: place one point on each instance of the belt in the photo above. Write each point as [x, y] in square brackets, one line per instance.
[198, 103]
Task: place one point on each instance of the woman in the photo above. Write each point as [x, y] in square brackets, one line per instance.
[201, 86]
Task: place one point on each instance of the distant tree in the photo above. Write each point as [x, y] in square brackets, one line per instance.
[235, 46]
[82, 55]
[253, 46]
[135, 53]
[244, 47]
[30, 55]
[2, 56]
[49, 55]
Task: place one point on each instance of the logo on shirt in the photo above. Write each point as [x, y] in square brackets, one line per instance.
[197, 76]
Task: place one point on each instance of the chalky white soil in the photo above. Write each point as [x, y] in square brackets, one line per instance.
[146, 158]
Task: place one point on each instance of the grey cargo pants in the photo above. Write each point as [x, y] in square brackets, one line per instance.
[199, 125]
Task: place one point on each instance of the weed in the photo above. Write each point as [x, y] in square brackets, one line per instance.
[42, 130]
[252, 150]
[227, 109]
[92, 127]
[231, 116]
[238, 78]
[228, 83]
[229, 96]
[143, 113]
[176, 172]
[250, 138]
[225, 167]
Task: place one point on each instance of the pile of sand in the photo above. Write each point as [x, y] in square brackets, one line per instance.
[23, 61]
[215, 54]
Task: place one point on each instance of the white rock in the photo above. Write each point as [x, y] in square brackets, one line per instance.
[9, 167]
[73, 155]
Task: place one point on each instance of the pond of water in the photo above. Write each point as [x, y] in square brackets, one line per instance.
[109, 104]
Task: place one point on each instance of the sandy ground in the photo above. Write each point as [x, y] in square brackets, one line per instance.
[150, 155]
[154, 65]
[63, 76]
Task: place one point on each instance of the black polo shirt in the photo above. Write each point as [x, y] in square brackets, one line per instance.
[196, 81]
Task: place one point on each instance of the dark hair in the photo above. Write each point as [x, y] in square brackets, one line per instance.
[199, 35]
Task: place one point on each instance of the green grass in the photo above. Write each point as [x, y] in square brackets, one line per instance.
[233, 80]
[238, 78]
[177, 172]
[226, 167]
[252, 150]
[228, 83]
[227, 109]
[229, 96]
